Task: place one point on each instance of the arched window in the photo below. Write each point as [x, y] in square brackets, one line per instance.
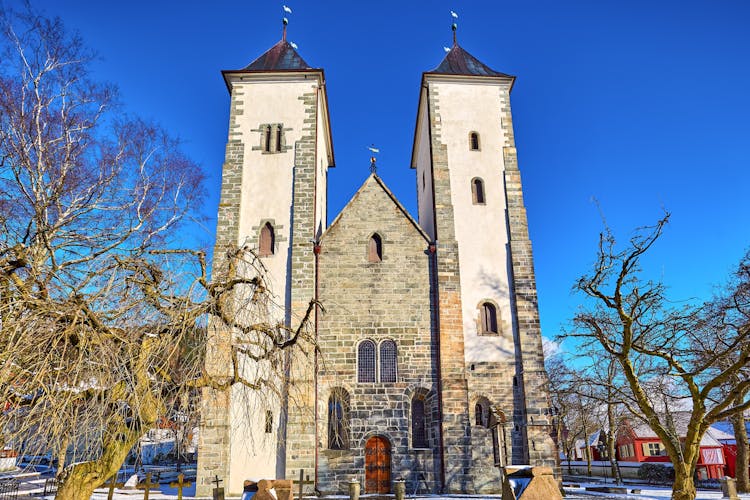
[277, 142]
[387, 361]
[487, 319]
[474, 141]
[479, 414]
[269, 421]
[366, 362]
[477, 191]
[338, 420]
[267, 139]
[375, 249]
[266, 245]
[418, 423]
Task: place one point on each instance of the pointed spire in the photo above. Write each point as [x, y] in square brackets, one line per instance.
[285, 21]
[454, 27]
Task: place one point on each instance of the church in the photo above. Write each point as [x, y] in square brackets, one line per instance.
[429, 364]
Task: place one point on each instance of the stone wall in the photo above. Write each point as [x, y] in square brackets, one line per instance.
[387, 300]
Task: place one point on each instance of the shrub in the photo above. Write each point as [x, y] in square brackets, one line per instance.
[656, 473]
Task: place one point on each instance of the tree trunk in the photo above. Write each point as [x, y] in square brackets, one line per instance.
[586, 446]
[611, 442]
[741, 465]
[684, 485]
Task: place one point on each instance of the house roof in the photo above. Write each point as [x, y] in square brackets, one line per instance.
[642, 431]
[280, 57]
[459, 62]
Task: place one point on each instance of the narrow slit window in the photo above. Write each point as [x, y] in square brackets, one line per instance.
[488, 319]
[267, 139]
[388, 361]
[366, 362]
[477, 191]
[418, 424]
[266, 244]
[277, 145]
[474, 141]
[375, 248]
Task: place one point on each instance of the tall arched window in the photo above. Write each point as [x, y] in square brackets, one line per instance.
[477, 191]
[338, 420]
[375, 248]
[266, 244]
[366, 362]
[388, 361]
[474, 141]
[418, 423]
[487, 319]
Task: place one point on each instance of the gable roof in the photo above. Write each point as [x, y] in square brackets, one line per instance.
[641, 430]
[374, 178]
[459, 62]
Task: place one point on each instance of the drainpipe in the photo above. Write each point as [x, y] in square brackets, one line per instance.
[436, 328]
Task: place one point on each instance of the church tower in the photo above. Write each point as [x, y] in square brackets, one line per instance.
[493, 398]
[273, 199]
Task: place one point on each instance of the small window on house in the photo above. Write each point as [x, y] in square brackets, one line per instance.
[474, 141]
[388, 361]
[277, 142]
[418, 423]
[266, 245]
[375, 249]
[366, 362]
[477, 191]
[338, 420]
[267, 138]
[487, 319]
[269, 421]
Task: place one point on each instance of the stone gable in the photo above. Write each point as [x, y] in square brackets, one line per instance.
[376, 301]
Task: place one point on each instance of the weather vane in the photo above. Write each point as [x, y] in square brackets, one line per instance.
[284, 20]
[373, 166]
[454, 25]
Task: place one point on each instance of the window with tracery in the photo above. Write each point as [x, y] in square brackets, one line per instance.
[366, 362]
[388, 361]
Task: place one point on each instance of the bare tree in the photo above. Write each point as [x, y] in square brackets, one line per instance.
[726, 317]
[103, 318]
[656, 345]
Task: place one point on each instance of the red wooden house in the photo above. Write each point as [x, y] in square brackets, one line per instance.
[636, 442]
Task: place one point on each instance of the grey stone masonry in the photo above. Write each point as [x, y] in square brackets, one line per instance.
[214, 446]
[300, 432]
[380, 302]
[532, 413]
[456, 437]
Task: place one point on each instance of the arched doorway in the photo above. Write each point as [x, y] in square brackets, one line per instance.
[377, 465]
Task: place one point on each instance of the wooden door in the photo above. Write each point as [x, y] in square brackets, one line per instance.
[377, 465]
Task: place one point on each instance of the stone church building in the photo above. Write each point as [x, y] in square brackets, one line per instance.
[430, 364]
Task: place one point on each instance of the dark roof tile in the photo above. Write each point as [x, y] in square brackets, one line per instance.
[459, 62]
[281, 56]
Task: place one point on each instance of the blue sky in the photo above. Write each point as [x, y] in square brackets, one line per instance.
[640, 105]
